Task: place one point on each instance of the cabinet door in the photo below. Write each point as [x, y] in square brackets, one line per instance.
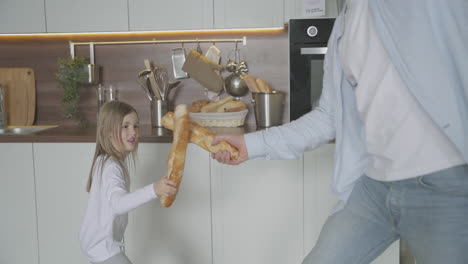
[61, 174]
[181, 233]
[257, 212]
[295, 9]
[18, 229]
[86, 15]
[319, 201]
[22, 16]
[248, 14]
[170, 15]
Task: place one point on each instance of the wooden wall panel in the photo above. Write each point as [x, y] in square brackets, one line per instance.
[266, 56]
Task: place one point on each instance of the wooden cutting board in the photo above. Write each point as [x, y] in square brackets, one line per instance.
[19, 85]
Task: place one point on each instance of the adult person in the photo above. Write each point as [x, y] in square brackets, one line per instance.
[395, 99]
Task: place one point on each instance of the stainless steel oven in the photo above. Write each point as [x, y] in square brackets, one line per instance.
[307, 47]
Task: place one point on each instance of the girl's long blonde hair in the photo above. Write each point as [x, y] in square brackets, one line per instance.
[109, 126]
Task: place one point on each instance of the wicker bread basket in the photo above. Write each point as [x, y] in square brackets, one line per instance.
[228, 119]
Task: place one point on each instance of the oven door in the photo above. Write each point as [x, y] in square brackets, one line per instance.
[306, 76]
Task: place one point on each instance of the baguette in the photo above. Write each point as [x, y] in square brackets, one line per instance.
[213, 106]
[231, 106]
[251, 83]
[197, 105]
[263, 86]
[201, 137]
[176, 158]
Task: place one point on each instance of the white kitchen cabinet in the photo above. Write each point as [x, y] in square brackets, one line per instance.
[61, 171]
[86, 15]
[22, 16]
[319, 201]
[154, 234]
[181, 233]
[248, 14]
[18, 229]
[295, 9]
[257, 212]
[152, 15]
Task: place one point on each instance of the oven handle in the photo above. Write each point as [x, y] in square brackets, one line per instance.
[314, 51]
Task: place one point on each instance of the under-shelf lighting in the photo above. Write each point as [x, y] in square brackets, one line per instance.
[96, 36]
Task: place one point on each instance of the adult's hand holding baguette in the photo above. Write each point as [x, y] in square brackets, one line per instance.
[224, 156]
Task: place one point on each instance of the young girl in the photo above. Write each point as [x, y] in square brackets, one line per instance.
[102, 231]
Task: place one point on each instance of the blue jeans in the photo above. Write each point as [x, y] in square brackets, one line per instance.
[429, 212]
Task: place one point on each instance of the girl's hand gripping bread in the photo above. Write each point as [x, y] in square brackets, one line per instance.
[176, 158]
[201, 136]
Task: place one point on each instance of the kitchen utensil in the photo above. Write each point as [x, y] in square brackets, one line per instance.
[203, 71]
[154, 85]
[112, 93]
[143, 81]
[199, 50]
[162, 78]
[93, 73]
[92, 69]
[178, 60]
[213, 53]
[235, 85]
[20, 95]
[3, 114]
[173, 84]
[268, 108]
[101, 97]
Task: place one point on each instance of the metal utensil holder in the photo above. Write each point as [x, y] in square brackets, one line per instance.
[158, 109]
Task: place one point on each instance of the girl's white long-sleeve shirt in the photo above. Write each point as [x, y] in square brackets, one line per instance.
[106, 217]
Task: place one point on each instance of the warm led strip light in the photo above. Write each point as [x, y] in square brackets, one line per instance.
[139, 34]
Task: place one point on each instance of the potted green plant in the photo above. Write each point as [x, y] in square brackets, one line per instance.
[71, 76]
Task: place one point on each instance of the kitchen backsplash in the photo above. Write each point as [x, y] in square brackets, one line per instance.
[266, 57]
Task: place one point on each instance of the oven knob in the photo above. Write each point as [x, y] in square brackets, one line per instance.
[312, 31]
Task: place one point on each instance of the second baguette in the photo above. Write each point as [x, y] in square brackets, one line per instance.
[201, 137]
[263, 86]
[251, 83]
[211, 107]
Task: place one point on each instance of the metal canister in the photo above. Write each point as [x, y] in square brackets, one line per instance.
[158, 109]
[268, 108]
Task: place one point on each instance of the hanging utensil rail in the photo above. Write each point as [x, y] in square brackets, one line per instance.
[154, 41]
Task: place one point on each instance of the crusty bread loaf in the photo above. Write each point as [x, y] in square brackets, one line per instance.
[263, 86]
[197, 105]
[176, 158]
[231, 106]
[213, 106]
[201, 137]
[251, 83]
